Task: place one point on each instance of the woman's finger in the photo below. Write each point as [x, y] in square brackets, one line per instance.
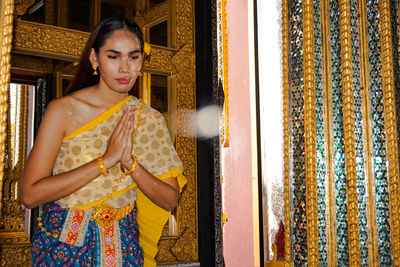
[121, 124]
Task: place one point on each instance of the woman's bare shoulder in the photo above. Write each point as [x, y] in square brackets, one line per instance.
[71, 104]
[81, 96]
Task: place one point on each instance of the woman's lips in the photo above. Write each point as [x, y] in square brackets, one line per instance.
[124, 80]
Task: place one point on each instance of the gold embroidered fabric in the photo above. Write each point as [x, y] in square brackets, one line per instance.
[153, 148]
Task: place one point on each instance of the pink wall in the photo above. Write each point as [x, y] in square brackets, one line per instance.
[238, 231]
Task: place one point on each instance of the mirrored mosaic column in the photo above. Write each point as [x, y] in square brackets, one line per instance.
[339, 164]
[379, 160]
[286, 130]
[390, 126]
[297, 177]
[349, 136]
[321, 156]
[310, 133]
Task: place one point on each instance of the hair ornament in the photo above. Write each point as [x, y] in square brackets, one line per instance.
[146, 48]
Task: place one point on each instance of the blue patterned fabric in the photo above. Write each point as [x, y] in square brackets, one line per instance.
[50, 251]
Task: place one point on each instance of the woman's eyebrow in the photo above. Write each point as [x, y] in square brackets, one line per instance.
[119, 52]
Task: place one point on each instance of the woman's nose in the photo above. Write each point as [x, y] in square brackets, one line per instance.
[123, 65]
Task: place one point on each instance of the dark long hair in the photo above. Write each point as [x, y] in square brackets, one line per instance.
[84, 75]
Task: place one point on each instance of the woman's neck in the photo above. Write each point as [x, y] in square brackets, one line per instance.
[107, 95]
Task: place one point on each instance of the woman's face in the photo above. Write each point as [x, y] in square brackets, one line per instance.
[119, 61]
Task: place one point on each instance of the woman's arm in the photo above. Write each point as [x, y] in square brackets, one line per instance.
[38, 186]
[164, 193]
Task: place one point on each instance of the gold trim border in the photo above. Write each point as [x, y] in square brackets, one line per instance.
[286, 124]
[330, 184]
[225, 64]
[7, 10]
[349, 135]
[390, 125]
[310, 133]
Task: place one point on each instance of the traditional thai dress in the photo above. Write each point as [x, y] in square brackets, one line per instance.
[99, 224]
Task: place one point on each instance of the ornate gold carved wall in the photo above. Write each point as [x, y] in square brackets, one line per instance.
[178, 61]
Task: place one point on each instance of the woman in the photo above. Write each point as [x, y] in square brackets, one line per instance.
[103, 162]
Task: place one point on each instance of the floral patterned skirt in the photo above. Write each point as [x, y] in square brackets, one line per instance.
[68, 237]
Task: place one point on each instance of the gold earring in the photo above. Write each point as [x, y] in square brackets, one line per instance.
[94, 70]
[140, 73]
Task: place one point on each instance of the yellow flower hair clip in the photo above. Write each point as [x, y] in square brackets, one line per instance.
[146, 48]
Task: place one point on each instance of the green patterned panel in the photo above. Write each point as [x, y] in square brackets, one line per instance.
[296, 100]
[378, 135]
[361, 187]
[321, 165]
[338, 139]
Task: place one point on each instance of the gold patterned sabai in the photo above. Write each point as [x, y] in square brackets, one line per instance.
[310, 133]
[390, 125]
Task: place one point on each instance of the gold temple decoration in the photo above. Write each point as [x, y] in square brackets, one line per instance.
[390, 126]
[14, 244]
[12, 223]
[178, 61]
[373, 251]
[20, 6]
[286, 125]
[327, 74]
[6, 26]
[156, 14]
[48, 41]
[223, 67]
[349, 135]
[310, 133]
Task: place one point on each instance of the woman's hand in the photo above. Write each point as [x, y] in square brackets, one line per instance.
[120, 139]
[126, 158]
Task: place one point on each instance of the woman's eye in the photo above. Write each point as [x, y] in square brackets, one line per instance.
[112, 57]
[134, 57]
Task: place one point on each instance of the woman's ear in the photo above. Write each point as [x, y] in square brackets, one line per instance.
[93, 58]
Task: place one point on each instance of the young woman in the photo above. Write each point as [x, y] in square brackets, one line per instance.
[102, 163]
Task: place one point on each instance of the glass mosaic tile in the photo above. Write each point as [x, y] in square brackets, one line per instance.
[296, 99]
[338, 139]
[321, 158]
[359, 138]
[378, 135]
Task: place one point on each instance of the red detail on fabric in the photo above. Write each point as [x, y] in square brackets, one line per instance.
[110, 261]
[76, 223]
[109, 246]
[75, 227]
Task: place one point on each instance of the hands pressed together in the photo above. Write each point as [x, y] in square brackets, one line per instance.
[119, 145]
